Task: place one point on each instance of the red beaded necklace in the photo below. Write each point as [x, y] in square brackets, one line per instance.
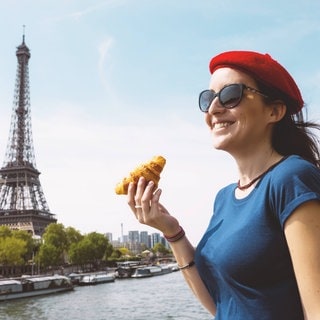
[248, 185]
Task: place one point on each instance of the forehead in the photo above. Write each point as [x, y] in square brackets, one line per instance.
[224, 76]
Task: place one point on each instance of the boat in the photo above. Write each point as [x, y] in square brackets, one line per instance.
[29, 286]
[174, 266]
[93, 279]
[126, 269]
[151, 271]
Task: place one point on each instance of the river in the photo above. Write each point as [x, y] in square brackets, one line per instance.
[158, 298]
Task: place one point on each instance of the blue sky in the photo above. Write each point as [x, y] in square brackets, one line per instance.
[115, 82]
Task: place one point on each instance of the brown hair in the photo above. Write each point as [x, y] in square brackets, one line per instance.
[292, 134]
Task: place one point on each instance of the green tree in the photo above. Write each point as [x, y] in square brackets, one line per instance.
[124, 251]
[12, 251]
[29, 241]
[160, 248]
[99, 245]
[49, 255]
[54, 245]
[109, 251]
[92, 248]
[80, 253]
[73, 236]
[5, 232]
[116, 254]
[56, 235]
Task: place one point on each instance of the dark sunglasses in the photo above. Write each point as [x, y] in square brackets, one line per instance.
[229, 96]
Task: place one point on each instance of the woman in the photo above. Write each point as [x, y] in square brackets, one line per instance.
[260, 256]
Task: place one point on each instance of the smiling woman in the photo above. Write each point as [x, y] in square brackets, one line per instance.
[251, 262]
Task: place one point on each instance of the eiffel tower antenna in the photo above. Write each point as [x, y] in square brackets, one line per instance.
[22, 202]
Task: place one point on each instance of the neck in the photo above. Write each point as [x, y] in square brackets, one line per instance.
[253, 168]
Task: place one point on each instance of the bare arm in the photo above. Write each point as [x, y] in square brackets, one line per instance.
[302, 231]
[152, 213]
[184, 254]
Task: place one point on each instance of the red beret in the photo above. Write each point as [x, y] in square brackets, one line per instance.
[263, 69]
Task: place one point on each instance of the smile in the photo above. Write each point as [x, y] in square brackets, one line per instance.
[220, 125]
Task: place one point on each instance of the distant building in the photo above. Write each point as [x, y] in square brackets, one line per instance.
[155, 238]
[109, 236]
[144, 238]
[133, 237]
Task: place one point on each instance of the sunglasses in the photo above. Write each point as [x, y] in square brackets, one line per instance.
[229, 96]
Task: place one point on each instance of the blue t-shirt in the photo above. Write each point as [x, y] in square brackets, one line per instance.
[243, 256]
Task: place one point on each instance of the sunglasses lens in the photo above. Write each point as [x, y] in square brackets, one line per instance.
[230, 96]
[205, 100]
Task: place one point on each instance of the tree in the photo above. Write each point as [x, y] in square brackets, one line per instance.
[73, 236]
[29, 242]
[124, 251]
[15, 246]
[99, 244]
[92, 248]
[160, 248]
[56, 235]
[5, 232]
[12, 251]
[55, 243]
[49, 255]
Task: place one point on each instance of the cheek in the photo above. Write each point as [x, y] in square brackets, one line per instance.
[242, 120]
[207, 120]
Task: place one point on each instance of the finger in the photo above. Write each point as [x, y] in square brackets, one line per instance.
[131, 194]
[140, 190]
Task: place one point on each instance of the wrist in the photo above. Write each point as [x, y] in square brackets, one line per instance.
[176, 236]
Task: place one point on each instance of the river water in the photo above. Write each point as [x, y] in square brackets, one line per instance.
[158, 298]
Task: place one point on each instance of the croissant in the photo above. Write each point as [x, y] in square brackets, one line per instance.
[150, 171]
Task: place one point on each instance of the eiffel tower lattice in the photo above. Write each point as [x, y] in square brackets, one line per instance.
[22, 202]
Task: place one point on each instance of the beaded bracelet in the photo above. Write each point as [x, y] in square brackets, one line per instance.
[176, 237]
[186, 266]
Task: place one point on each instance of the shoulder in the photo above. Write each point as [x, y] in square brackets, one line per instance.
[226, 191]
[293, 182]
[294, 167]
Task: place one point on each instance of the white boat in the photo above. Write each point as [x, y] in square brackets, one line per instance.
[33, 286]
[98, 278]
[151, 271]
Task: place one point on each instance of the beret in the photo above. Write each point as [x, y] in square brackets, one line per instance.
[263, 68]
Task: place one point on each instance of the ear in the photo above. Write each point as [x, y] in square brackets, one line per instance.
[277, 110]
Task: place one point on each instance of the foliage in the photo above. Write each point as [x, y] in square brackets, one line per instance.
[16, 247]
[49, 255]
[55, 243]
[116, 254]
[92, 248]
[73, 236]
[29, 243]
[12, 251]
[55, 235]
[5, 232]
[57, 246]
[160, 248]
[124, 251]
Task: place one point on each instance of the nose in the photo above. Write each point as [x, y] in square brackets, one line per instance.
[215, 106]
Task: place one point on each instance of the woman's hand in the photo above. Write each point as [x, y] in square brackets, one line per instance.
[144, 203]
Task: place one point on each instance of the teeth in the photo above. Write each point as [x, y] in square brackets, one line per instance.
[221, 125]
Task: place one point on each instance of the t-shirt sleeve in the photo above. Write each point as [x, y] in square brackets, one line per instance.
[292, 186]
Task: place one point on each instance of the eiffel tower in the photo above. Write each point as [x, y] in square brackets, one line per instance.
[22, 203]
